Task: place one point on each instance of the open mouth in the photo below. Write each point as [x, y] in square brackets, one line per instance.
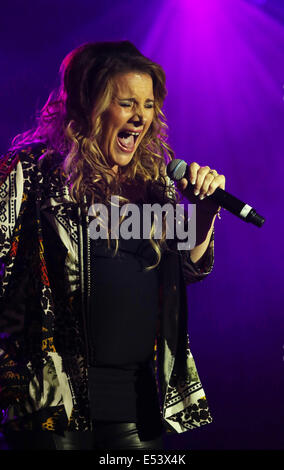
[127, 139]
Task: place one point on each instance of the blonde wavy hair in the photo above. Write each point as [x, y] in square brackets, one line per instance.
[70, 124]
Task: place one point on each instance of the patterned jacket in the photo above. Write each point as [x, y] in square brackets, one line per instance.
[44, 295]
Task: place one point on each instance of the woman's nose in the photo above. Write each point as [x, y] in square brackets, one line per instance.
[139, 115]
[138, 118]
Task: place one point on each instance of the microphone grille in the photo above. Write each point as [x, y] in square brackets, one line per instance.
[176, 169]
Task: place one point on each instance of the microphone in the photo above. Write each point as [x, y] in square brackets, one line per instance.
[177, 169]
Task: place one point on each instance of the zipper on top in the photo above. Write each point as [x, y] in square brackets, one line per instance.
[85, 276]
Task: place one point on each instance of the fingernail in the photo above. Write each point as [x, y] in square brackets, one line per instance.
[202, 196]
[196, 192]
[193, 181]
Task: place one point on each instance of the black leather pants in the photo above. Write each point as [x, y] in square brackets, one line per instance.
[106, 436]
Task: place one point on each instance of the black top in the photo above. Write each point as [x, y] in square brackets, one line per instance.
[123, 325]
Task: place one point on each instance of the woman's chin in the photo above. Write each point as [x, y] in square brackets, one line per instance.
[121, 158]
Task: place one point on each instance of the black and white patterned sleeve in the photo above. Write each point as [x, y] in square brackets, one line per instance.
[11, 197]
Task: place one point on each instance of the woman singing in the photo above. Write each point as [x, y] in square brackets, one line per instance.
[94, 348]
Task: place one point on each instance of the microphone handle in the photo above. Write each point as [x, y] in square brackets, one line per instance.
[177, 169]
[237, 207]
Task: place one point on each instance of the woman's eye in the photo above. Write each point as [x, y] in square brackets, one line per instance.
[126, 105]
